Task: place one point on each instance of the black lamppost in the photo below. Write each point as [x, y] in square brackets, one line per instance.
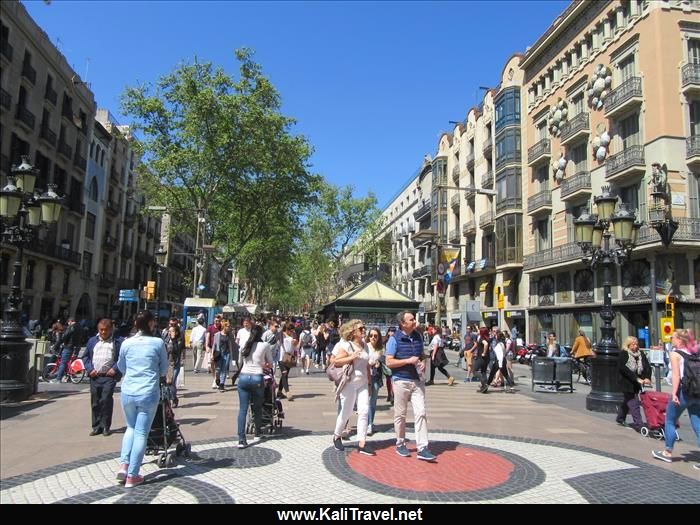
[161, 256]
[22, 211]
[593, 236]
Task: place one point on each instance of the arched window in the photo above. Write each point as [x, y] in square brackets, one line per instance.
[93, 189]
[92, 149]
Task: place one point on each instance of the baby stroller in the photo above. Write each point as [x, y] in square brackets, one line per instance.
[272, 413]
[165, 432]
[654, 405]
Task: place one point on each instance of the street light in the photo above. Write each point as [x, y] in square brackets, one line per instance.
[161, 257]
[593, 236]
[22, 211]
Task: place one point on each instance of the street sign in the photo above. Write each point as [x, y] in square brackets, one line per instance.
[667, 328]
[128, 296]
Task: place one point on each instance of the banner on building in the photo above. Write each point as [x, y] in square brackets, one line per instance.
[449, 260]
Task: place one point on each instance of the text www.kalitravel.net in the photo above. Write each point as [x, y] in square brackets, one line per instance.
[350, 513]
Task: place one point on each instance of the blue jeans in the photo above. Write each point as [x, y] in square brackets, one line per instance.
[222, 367]
[674, 412]
[173, 387]
[250, 388]
[66, 353]
[138, 412]
[376, 385]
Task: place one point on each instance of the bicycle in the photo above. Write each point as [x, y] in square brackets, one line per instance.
[581, 367]
[75, 371]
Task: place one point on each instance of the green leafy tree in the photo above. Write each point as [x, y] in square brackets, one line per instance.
[219, 146]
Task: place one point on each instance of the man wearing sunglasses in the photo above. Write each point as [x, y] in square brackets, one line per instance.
[404, 354]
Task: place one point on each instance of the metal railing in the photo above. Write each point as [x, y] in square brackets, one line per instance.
[469, 227]
[487, 179]
[573, 126]
[630, 88]
[486, 219]
[470, 192]
[512, 157]
[76, 207]
[55, 251]
[578, 181]
[630, 156]
[80, 161]
[29, 72]
[538, 150]
[509, 203]
[558, 254]
[488, 146]
[25, 116]
[65, 150]
[422, 211]
[540, 199]
[454, 201]
[48, 135]
[692, 146]
[690, 74]
[51, 95]
[455, 174]
[455, 235]
[688, 230]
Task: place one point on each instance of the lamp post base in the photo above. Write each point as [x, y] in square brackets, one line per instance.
[606, 395]
[14, 364]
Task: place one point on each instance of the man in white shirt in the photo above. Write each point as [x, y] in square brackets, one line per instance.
[242, 337]
[197, 336]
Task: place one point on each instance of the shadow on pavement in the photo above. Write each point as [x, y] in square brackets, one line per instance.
[39, 400]
[192, 405]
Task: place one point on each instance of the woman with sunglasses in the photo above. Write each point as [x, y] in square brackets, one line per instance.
[352, 349]
[376, 364]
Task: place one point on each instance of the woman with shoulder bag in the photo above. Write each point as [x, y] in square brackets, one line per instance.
[352, 349]
[377, 366]
[287, 360]
[634, 370]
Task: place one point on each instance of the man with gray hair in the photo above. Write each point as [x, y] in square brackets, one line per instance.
[404, 352]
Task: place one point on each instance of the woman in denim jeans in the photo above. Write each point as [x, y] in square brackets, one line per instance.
[376, 362]
[684, 346]
[255, 356]
[143, 360]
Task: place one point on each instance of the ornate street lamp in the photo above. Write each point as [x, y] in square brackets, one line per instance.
[593, 235]
[21, 213]
[161, 257]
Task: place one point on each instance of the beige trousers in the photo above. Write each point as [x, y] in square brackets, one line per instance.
[414, 391]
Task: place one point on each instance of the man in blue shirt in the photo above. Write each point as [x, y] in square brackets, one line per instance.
[404, 352]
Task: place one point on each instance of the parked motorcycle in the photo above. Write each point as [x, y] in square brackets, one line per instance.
[533, 350]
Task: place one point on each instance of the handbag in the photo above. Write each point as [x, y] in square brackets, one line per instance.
[386, 370]
[289, 360]
[336, 373]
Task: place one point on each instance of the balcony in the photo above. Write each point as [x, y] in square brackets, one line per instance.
[540, 202]
[688, 230]
[623, 98]
[487, 179]
[488, 147]
[629, 162]
[512, 157]
[487, 263]
[455, 174]
[127, 251]
[509, 204]
[470, 162]
[454, 201]
[469, 228]
[107, 280]
[144, 257]
[423, 211]
[486, 220]
[51, 95]
[5, 99]
[575, 186]
[574, 129]
[75, 206]
[65, 150]
[455, 235]
[112, 207]
[6, 51]
[79, 161]
[470, 192]
[46, 134]
[560, 254]
[109, 243]
[541, 151]
[29, 72]
[690, 79]
[129, 219]
[423, 271]
[25, 116]
[692, 151]
[64, 255]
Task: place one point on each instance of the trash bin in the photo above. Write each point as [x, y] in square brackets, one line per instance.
[563, 372]
[542, 371]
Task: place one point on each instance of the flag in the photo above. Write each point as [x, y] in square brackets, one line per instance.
[449, 259]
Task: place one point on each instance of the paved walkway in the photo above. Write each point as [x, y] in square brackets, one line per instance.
[494, 448]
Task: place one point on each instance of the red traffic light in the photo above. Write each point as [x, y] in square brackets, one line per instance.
[667, 329]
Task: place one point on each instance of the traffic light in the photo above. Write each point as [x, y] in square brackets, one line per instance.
[667, 328]
[151, 291]
[670, 306]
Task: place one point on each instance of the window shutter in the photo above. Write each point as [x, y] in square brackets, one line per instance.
[693, 195]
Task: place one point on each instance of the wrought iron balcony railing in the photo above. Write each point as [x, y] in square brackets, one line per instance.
[539, 200]
[630, 88]
[573, 126]
[541, 148]
[690, 74]
[628, 157]
[692, 146]
[578, 181]
[558, 254]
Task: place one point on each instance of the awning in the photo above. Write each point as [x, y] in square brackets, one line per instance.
[507, 283]
[483, 286]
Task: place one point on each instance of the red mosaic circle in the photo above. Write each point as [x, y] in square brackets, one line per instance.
[459, 469]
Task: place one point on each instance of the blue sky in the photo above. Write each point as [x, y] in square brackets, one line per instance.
[372, 84]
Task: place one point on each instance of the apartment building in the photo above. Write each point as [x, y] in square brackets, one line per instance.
[610, 89]
[47, 114]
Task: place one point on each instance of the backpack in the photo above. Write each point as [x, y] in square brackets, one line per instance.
[306, 339]
[690, 384]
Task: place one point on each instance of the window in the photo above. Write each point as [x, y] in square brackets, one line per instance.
[66, 281]
[92, 150]
[541, 131]
[694, 51]
[509, 246]
[508, 189]
[87, 264]
[508, 147]
[626, 68]
[694, 110]
[90, 226]
[93, 189]
[488, 248]
[576, 105]
[507, 107]
[542, 177]
[628, 129]
[29, 278]
[48, 278]
[634, 196]
[578, 156]
[543, 240]
[693, 192]
[572, 214]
